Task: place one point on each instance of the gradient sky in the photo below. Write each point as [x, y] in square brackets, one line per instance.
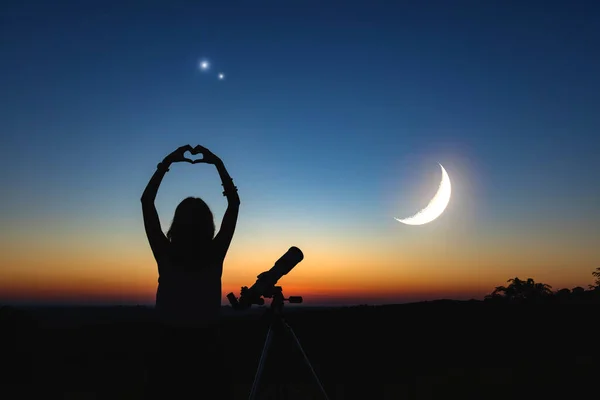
[331, 121]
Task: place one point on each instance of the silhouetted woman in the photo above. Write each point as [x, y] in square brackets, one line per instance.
[190, 264]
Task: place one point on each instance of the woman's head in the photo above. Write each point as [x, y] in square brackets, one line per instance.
[193, 223]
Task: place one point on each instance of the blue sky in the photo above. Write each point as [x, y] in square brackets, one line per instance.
[332, 114]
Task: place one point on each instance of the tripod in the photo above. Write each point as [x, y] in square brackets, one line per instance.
[276, 317]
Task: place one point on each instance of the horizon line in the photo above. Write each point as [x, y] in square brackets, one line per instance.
[226, 306]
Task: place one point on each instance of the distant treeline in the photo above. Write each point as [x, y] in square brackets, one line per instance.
[529, 291]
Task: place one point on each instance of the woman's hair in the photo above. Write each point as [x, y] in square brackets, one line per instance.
[193, 224]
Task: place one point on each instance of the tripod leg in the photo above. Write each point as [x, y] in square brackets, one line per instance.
[306, 360]
[261, 363]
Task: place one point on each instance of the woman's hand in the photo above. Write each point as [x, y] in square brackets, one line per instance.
[177, 155]
[208, 156]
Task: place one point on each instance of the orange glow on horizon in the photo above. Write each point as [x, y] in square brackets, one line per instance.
[71, 268]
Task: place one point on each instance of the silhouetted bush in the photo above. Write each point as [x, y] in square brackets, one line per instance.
[529, 292]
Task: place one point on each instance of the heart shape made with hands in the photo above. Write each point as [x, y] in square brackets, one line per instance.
[193, 152]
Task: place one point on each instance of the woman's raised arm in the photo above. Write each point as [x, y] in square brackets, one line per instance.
[156, 238]
[223, 238]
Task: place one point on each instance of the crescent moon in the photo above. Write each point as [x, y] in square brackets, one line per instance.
[436, 206]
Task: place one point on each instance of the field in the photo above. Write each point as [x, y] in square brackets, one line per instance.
[431, 350]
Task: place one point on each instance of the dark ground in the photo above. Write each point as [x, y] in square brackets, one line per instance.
[433, 350]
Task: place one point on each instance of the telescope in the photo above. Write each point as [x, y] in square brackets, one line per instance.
[265, 287]
[265, 282]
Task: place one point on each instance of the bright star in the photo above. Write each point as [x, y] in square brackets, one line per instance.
[221, 76]
[204, 65]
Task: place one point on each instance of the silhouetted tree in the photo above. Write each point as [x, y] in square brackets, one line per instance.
[563, 294]
[596, 275]
[519, 291]
[578, 291]
[524, 291]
